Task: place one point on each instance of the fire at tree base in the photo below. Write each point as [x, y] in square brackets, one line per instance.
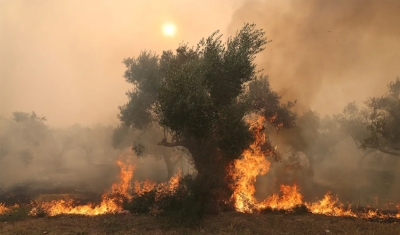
[244, 172]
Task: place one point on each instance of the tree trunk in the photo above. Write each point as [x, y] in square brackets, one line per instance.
[169, 164]
[212, 181]
[211, 187]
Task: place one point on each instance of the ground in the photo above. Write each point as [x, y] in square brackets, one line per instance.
[226, 223]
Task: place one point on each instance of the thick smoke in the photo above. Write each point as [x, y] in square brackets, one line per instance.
[326, 53]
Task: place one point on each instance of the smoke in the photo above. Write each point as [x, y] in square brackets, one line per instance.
[326, 53]
[64, 58]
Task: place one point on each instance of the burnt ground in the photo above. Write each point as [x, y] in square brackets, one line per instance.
[225, 223]
[268, 222]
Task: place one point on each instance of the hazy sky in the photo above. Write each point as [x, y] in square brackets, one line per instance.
[63, 59]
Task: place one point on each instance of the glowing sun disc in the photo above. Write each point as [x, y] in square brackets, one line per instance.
[169, 30]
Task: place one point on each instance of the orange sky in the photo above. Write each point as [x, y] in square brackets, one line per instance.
[63, 59]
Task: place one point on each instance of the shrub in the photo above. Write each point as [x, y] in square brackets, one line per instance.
[183, 205]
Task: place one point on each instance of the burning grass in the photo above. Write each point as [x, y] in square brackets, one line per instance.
[289, 199]
[111, 202]
[176, 196]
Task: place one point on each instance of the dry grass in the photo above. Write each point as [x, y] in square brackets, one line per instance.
[228, 223]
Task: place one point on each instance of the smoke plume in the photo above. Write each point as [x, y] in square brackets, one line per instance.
[326, 53]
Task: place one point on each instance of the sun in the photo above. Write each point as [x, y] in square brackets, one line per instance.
[169, 29]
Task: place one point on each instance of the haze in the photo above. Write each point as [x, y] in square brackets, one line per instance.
[63, 59]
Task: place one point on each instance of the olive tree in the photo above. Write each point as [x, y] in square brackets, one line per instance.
[201, 97]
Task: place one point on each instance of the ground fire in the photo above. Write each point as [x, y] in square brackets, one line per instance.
[254, 163]
[244, 171]
[111, 201]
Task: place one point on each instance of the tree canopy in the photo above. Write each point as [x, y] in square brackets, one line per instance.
[201, 96]
[377, 124]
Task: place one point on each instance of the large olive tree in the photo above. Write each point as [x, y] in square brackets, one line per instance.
[201, 97]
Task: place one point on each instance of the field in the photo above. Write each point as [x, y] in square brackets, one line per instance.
[224, 223]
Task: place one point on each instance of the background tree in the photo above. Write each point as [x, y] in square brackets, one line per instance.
[375, 127]
[23, 135]
[354, 122]
[62, 141]
[384, 121]
[314, 136]
[143, 143]
[200, 97]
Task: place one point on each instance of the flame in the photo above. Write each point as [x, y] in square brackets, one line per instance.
[329, 205]
[246, 169]
[67, 207]
[107, 205]
[174, 181]
[290, 198]
[126, 174]
[254, 163]
[144, 187]
[3, 209]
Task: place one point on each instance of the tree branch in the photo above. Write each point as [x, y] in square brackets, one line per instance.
[172, 144]
[388, 151]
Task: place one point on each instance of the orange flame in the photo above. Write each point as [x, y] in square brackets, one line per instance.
[3, 209]
[144, 187]
[246, 169]
[174, 181]
[254, 163]
[107, 205]
[67, 207]
[329, 206]
[162, 188]
[290, 198]
[125, 175]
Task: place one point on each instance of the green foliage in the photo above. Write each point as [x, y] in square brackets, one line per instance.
[377, 125]
[139, 149]
[354, 122]
[120, 137]
[144, 73]
[201, 97]
[384, 125]
[266, 102]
